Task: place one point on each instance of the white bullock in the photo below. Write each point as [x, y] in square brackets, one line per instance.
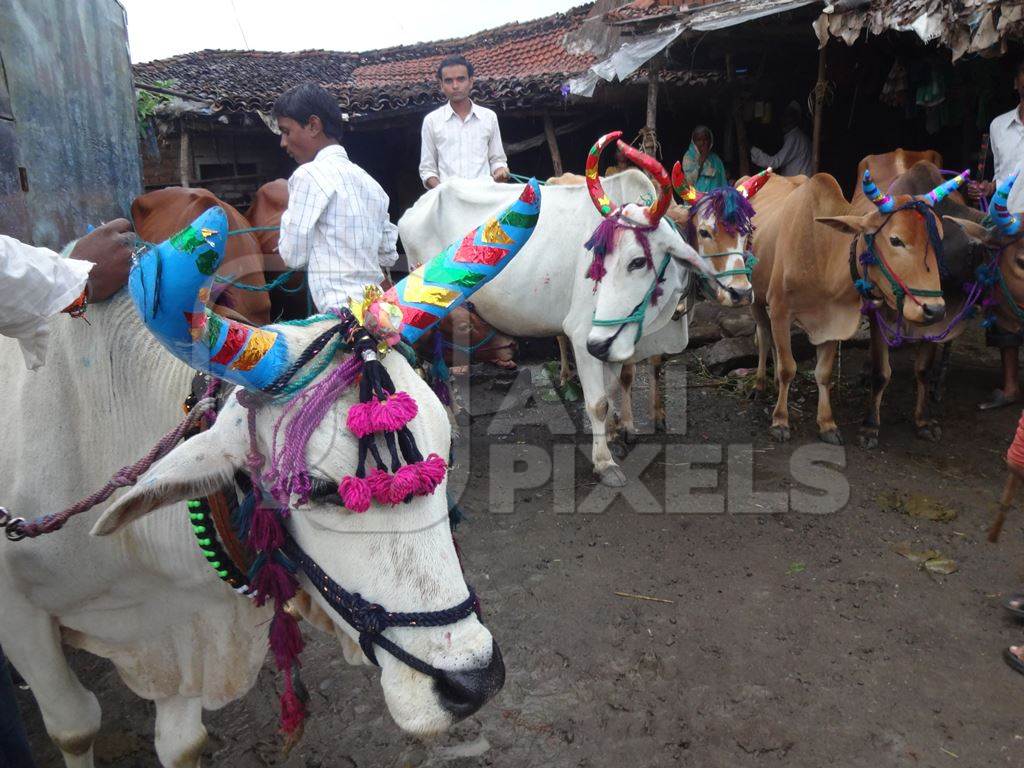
[545, 291]
[145, 598]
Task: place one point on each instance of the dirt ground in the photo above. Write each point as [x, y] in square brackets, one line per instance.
[780, 639]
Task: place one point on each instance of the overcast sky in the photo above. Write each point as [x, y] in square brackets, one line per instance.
[158, 30]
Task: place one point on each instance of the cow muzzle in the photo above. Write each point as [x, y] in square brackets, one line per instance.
[463, 692]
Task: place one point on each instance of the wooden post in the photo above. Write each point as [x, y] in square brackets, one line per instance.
[742, 147]
[184, 155]
[556, 156]
[650, 142]
[819, 104]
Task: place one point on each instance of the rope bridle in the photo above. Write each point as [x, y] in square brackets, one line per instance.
[872, 257]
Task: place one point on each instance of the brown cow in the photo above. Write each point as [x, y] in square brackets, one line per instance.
[769, 200]
[806, 245]
[158, 215]
[888, 166]
[290, 301]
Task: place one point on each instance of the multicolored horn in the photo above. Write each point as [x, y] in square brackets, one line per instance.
[438, 286]
[942, 191]
[1008, 223]
[751, 186]
[885, 203]
[686, 191]
[642, 160]
[601, 201]
[170, 285]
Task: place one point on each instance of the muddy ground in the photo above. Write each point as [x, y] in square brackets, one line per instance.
[781, 639]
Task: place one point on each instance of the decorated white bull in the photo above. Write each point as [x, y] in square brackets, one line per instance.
[614, 303]
[143, 593]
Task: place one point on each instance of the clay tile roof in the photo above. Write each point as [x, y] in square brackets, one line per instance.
[514, 63]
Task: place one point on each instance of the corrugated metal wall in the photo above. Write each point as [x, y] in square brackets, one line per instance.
[69, 153]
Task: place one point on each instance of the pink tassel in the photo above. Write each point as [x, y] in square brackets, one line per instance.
[293, 713]
[406, 482]
[432, 471]
[273, 581]
[395, 412]
[597, 270]
[360, 418]
[285, 640]
[380, 486]
[265, 530]
[355, 493]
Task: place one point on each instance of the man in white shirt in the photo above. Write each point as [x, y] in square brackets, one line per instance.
[336, 224]
[461, 139]
[36, 283]
[1006, 138]
[794, 159]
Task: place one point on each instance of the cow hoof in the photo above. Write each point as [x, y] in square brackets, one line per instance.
[619, 450]
[931, 432]
[660, 427]
[756, 395]
[832, 437]
[613, 477]
[868, 440]
[630, 437]
[779, 433]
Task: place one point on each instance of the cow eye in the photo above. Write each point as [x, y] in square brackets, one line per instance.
[705, 234]
[635, 264]
[1020, 263]
[324, 491]
[896, 242]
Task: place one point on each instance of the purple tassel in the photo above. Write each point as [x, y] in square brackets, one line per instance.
[285, 640]
[273, 581]
[265, 529]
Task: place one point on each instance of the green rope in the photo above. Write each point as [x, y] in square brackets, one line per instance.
[524, 179]
[277, 283]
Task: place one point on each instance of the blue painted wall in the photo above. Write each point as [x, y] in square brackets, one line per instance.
[67, 117]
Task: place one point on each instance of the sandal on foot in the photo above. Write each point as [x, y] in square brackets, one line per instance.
[1012, 659]
[1018, 609]
[997, 400]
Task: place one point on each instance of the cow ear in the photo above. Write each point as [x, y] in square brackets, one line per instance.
[975, 231]
[851, 225]
[682, 252]
[197, 467]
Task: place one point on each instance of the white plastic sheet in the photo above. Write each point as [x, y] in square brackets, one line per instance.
[626, 60]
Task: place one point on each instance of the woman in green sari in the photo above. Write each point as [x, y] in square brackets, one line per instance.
[703, 168]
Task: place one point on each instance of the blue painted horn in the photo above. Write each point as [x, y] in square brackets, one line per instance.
[942, 191]
[170, 285]
[1008, 223]
[884, 202]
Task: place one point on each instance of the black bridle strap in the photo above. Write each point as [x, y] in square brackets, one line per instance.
[371, 620]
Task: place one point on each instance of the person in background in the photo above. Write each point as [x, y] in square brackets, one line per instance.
[1006, 137]
[35, 285]
[336, 224]
[703, 168]
[460, 139]
[794, 159]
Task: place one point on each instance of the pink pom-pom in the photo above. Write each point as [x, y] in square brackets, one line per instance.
[395, 412]
[273, 581]
[360, 418]
[406, 482]
[355, 493]
[285, 639]
[432, 471]
[380, 486]
[265, 529]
